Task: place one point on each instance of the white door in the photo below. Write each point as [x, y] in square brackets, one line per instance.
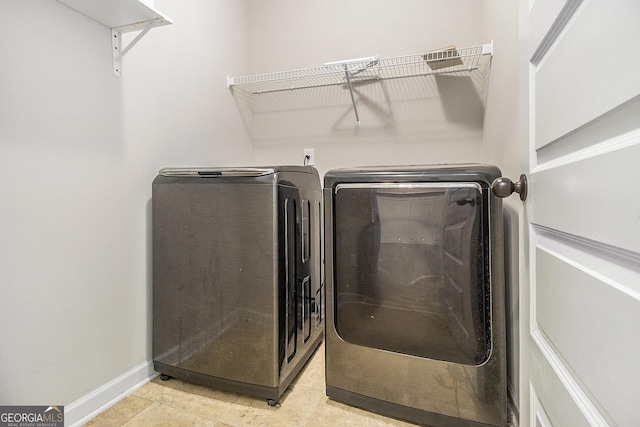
[580, 350]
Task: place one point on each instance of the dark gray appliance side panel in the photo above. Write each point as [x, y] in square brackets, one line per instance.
[301, 290]
[215, 278]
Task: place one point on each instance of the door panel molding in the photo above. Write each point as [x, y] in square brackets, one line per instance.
[590, 69]
[620, 142]
[613, 130]
[595, 197]
[566, 13]
[616, 266]
[607, 297]
[581, 401]
[538, 415]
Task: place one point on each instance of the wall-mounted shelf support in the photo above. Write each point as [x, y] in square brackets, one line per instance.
[355, 67]
[116, 39]
[353, 99]
[122, 16]
[450, 60]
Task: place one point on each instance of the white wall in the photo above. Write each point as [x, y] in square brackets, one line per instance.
[402, 121]
[174, 79]
[501, 140]
[78, 151]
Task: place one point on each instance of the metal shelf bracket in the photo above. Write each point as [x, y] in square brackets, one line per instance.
[116, 39]
[368, 62]
[121, 16]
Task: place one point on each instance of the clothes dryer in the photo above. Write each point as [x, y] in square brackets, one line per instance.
[415, 293]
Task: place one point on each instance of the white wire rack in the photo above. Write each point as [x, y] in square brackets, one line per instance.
[348, 72]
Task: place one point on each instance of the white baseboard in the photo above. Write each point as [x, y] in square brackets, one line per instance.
[102, 398]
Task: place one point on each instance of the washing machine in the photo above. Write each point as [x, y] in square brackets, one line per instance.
[415, 322]
[238, 298]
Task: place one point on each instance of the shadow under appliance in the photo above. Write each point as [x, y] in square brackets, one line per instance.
[237, 291]
[415, 293]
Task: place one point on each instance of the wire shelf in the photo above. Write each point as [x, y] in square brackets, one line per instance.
[447, 60]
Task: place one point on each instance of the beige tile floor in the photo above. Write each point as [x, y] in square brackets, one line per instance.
[178, 403]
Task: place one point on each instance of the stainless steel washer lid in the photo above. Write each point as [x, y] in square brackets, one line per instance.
[213, 172]
[236, 171]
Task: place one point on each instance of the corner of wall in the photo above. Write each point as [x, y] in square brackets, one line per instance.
[104, 397]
